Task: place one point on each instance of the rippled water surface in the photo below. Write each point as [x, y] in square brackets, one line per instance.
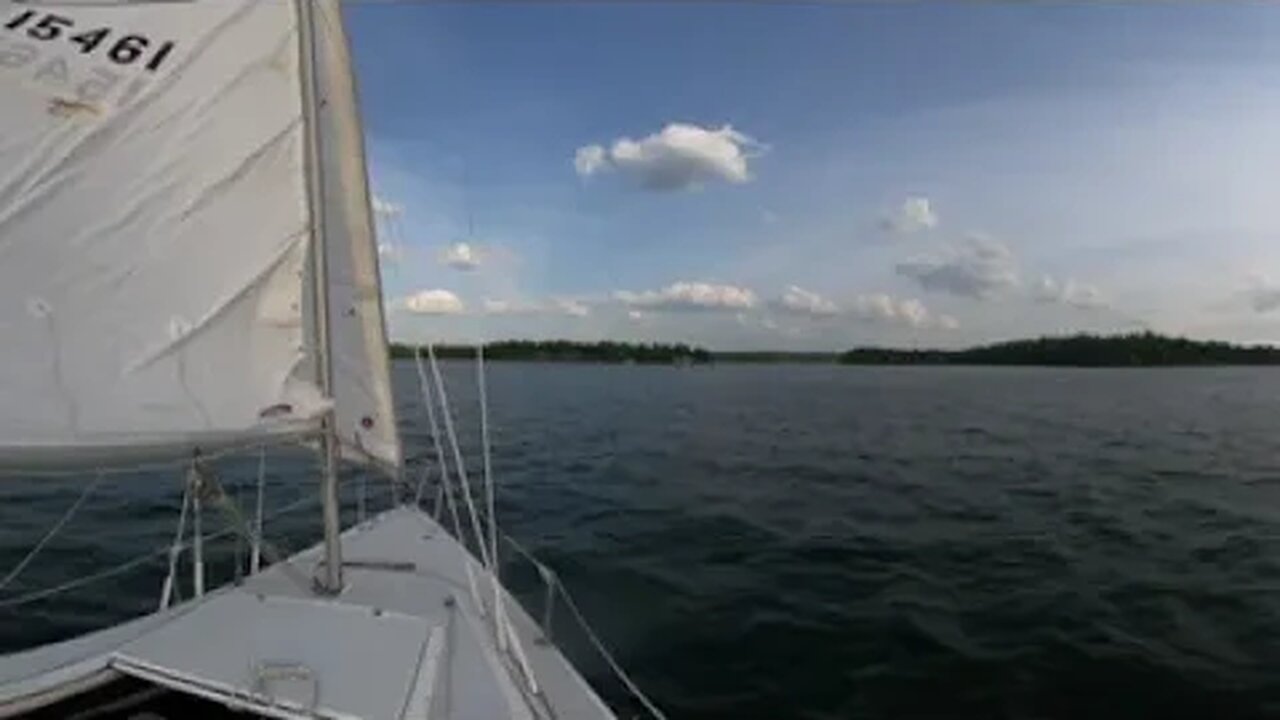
[825, 542]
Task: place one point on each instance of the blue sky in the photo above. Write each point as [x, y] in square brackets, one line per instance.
[818, 176]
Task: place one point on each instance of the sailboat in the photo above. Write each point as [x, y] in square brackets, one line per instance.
[188, 270]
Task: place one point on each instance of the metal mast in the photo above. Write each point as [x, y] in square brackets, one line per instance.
[331, 582]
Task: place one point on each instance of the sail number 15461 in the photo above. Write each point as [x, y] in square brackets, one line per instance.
[119, 48]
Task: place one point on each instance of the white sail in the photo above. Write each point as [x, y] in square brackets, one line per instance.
[153, 229]
[364, 417]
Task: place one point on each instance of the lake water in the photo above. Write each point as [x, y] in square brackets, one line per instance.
[827, 542]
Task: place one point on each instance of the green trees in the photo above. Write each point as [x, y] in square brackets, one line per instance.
[570, 351]
[1142, 349]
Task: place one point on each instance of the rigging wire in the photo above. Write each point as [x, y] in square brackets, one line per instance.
[457, 457]
[138, 561]
[175, 551]
[31, 555]
[481, 386]
[446, 486]
[424, 386]
[178, 461]
[550, 577]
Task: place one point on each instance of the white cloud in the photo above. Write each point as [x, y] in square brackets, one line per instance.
[876, 307]
[915, 214]
[385, 208]
[691, 296]
[798, 301]
[1068, 292]
[913, 313]
[432, 302]
[461, 256]
[590, 159]
[389, 253]
[680, 156]
[882, 308]
[635, 315]
[980, 268]
[570, 307]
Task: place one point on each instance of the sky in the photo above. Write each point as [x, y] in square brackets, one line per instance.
[819, 176]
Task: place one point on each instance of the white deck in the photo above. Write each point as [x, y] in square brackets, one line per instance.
[404, 640]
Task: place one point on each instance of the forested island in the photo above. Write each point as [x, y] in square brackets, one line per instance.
[1143, 349]
[1132, 350]
[570, 351]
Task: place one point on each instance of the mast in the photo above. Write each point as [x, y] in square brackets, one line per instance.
[331, 583]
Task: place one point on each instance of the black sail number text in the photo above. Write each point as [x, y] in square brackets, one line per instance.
[119, 47]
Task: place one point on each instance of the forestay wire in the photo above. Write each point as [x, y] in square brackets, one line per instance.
[548, 575]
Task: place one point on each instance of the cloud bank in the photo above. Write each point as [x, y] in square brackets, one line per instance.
[882, 308]
[686, 296]
[798, 301]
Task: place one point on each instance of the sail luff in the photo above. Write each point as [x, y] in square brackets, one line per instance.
[364, 420]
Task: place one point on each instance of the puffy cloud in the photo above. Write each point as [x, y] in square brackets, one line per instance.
[915, 214]
[879, 307]
[690, 296]
[389, 253]
[798, 301]
[1068, 292]
[979, 268]
[461, 256]
[876, 307]
[385, 208]
[570, 307]
[590, 159]
[635, 315]
[913, 313]
[678, 157]
[432, 302]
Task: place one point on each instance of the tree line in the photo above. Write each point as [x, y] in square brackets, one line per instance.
[1141, 349]
[571, 351]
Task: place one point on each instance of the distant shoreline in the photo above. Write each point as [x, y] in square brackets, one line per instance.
[1082, 350]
